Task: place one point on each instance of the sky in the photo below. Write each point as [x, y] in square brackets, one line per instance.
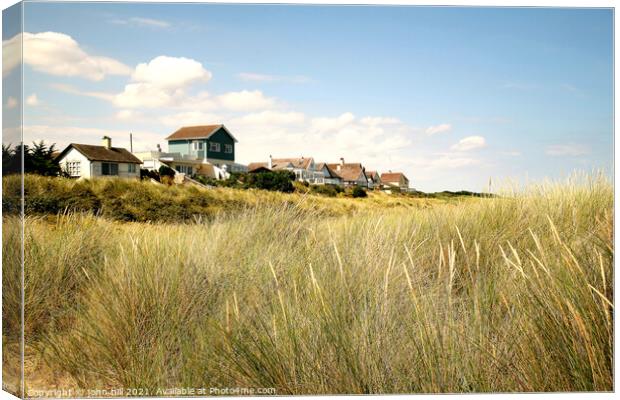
[451, 96]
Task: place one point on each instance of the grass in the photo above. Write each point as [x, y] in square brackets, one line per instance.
[124, 200]
[502, 294]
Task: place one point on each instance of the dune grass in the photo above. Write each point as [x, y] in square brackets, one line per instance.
[495, 294]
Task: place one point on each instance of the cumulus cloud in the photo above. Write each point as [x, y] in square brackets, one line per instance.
[32, 100]
[245, 100]
[568, 150]
[62, 135]
[161, 82]
[469, 143]
[435, 129]
[270, 118]
[190, 118]
[374, 141]
[58, 54]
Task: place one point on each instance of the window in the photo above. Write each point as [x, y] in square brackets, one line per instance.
[132, 168]
[109, 168]
[228, 148]
[73, 168]
[197, 145]
[214, 146]
[185, 169]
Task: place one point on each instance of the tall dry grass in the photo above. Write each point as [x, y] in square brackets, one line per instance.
[502, 294]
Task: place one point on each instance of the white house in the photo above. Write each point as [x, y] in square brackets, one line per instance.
[88, 161]
[304, 168]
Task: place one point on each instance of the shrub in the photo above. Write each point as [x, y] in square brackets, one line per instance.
[149, 174]
[358, 191]
[165, 170]
[281, 181]
[327, 190]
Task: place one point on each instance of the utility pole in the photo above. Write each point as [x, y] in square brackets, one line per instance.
[130, 142]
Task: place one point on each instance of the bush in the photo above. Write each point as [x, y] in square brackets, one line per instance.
[358, 191]
[327, 190]
[281, 181]
[165, 170]
[149, 174]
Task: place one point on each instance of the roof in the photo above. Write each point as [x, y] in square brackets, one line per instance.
[332, 173]
[198, 132]
[102, 153]
[256, 166]
[392, 176]
[301, 162]
[348, 171]
[372, 174]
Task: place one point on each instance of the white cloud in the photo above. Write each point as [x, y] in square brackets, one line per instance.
[255, 77]
[11, 102]
[161, 82]
[190, 118]
[58, 54]
[140, 21]
[452, 161]
[469, 143]
[568, 149]
[245, 100]
[377, 142]
[270, 117]
[435, 129]
[32, 100]
[62, 135]
[373, 121]
[73, 90]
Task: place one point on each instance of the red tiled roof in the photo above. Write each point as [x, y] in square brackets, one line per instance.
[348, 171]
[301, 162]
[392, 176]
[197, 132]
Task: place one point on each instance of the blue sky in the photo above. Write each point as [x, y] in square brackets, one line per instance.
[450, 96]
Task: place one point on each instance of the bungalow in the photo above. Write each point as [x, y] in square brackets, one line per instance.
[395, 180]
[89, 161]
[329, 176]
[374, 180]
[304, 168]
[352, 174]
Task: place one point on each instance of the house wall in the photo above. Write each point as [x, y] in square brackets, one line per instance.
[75, 156]
[185, 147]
[221, 137]
[123, 171]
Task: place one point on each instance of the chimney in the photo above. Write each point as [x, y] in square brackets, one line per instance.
[270, 162]
[342, 161]
[339, 166]
[107, 142]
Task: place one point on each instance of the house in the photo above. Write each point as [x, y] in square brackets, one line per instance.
[329, 176]
[352, 174]
[207, 150]
[213, 144]
[374, 180]
[89, 161]
[395, 180]
[304, 168]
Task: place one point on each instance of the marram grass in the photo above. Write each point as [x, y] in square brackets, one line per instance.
[489, 295]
